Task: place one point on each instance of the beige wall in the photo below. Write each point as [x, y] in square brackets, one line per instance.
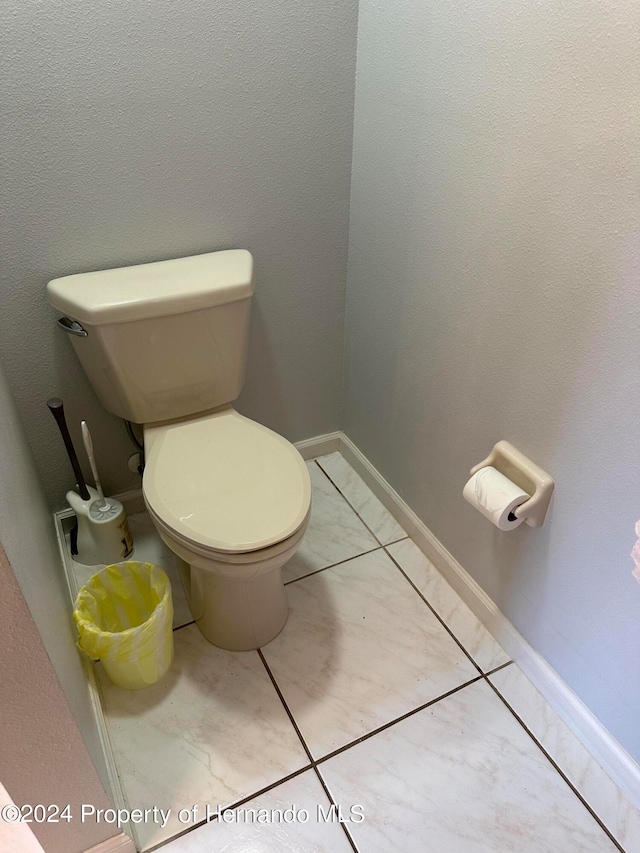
[138, 131]
[494, 293]
[42, 754]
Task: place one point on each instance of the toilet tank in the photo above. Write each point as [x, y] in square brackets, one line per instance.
[162, 340]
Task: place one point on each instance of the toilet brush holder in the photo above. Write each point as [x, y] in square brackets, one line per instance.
[103, 531]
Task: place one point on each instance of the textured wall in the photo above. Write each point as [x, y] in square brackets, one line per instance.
[147, 129]
[27, 535]
[42, 756]
[493, 293]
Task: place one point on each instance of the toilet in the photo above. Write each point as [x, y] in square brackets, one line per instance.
[164, 345]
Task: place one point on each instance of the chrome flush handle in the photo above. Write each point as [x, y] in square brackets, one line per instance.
[72, 327]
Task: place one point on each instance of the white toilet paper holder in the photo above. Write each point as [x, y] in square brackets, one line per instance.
[524, 473]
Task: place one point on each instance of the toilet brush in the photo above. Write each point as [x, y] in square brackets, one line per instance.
[103, 530]
[102, 534]
[105, 506]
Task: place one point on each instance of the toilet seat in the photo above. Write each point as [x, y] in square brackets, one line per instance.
[224, 484]
[191, 550]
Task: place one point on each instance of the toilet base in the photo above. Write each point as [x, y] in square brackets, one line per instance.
[238, 600]
[236, 613]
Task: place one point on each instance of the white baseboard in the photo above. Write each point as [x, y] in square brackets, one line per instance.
[320, 445]
[120, 843]
[616, 762]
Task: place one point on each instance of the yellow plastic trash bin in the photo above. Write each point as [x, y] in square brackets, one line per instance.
[124, 617]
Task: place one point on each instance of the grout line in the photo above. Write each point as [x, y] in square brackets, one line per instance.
[438, 617]
[286, 707]
[553, 763]
[395, 541]
[186, 831]
[351, 506]
[185, 625]
[326, 475]
[497, 668]
[333, 565]
[370, 529]
[237, 804]
[302, 741]
[397, 720]
[333, 803]
[231, 807]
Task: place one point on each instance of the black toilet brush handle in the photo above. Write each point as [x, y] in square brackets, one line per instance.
[57, 410]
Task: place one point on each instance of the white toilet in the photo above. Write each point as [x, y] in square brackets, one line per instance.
[164, 345]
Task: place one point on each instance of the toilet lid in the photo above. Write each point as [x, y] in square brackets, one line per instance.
[225, 482]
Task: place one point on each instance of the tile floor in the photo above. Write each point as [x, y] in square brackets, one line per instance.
[383, 696]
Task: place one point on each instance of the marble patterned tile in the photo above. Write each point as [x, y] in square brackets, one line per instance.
[245, 834]
[461, 776]
[211, 732]
[377, 518]
[335, 532]
[620, 817]
[468, 629]
[360, 648]
[148, 547]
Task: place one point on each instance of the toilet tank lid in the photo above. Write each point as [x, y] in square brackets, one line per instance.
[154, 290]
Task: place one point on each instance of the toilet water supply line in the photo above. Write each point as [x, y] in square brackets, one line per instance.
[136, 443]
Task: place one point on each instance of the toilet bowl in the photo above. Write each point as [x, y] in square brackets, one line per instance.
[232, 500]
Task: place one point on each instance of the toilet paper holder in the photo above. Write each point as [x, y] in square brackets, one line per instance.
[524, 473]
